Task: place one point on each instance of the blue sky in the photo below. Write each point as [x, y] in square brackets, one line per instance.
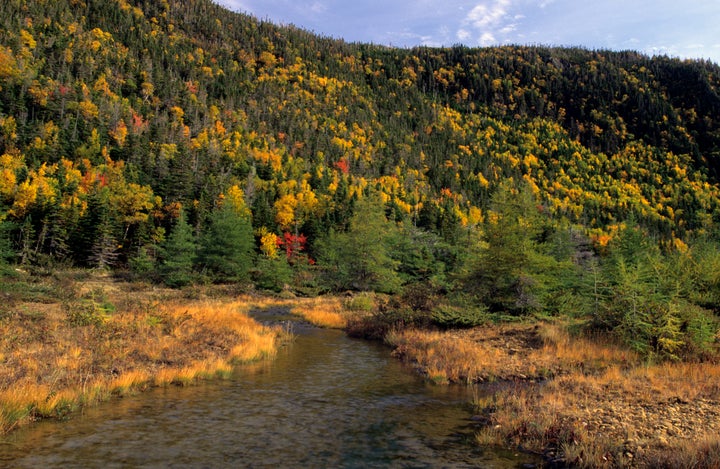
[678, 28]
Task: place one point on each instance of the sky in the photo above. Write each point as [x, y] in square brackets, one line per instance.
[677, 28]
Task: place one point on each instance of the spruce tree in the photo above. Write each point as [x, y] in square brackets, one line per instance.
[177, 255]
[359, 258]
[6, 250]
[226, 247]
[509, 274]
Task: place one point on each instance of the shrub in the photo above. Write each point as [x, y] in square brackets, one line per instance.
[452, 316]
[377, 325]
[361, 302]
[91, 310]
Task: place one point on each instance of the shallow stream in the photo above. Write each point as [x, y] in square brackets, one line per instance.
[325, 401]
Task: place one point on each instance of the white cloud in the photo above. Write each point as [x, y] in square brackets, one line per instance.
[487, 39]
[488, 14]
[509, 28]
[318, 7]
[463, 34]
[490, 22]
[657, 27]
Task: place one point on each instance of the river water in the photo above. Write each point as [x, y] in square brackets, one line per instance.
[325, 401]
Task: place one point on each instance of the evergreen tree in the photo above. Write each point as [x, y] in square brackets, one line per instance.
[54, 236]
[27, 242]
[177, 255]
[142, 264]
[423, 256]
[93, 241]
[359, 258]
[104, 250]
[647, 305]
[226, 247]
[6, 250]
[273, 273]
[510, 274]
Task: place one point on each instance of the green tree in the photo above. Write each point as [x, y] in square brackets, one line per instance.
[226, 247]
[423, 256]
[648, 300]
[6, 250]
[177, 254]
[512, 271]
[93, 241]
[273, 273]
[359, 258]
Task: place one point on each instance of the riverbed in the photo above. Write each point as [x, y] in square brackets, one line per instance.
[326, 400]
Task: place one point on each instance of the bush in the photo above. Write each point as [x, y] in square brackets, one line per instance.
[421, 296]
[272, 274]
[451, 316]
[377, 325]
[85, 313]
[361, 302]
[91, 310]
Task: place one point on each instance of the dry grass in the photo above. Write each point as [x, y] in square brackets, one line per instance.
[50, 366]
[443, 357]
[589, 403]
[703, 451]
[506, 352]
[579, 353]
[323, 311]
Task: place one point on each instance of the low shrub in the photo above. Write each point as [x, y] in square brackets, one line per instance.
[377, 325]
[92, 309]
[362, 302]
[452, 316]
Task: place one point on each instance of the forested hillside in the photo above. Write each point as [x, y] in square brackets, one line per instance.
[187, 143]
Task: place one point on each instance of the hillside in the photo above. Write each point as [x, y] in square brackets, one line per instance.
[188, 143]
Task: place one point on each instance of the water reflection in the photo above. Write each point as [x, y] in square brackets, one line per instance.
[326, 401]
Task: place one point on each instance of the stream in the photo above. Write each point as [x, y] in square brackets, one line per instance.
[326, 400]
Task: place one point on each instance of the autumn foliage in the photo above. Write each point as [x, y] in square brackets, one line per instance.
[306, 163]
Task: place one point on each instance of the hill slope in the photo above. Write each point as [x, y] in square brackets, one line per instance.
[141, 107]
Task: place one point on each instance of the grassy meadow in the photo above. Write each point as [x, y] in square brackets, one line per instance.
[67, 343]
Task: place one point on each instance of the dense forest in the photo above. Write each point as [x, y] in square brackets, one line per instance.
[179, 142]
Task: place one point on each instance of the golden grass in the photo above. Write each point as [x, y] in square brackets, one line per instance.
[443, 357]
[579, 352]
[50, 367]
[703, 451]
[598, 405]
[323, 311]
[128, 381]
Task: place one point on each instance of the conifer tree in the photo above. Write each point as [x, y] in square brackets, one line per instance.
[508, 274]
[96, 244]
[226, 247]
[92, 241]
[104, 252]
[359, 258]
[27, 242]
[177, 255]
[6, 251]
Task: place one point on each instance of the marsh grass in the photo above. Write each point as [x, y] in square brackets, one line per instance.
[576, 400]
[700, 452]
[443, 357]
[53, 362]
[327, 312]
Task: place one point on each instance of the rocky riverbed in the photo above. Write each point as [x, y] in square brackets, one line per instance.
[578, 401]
